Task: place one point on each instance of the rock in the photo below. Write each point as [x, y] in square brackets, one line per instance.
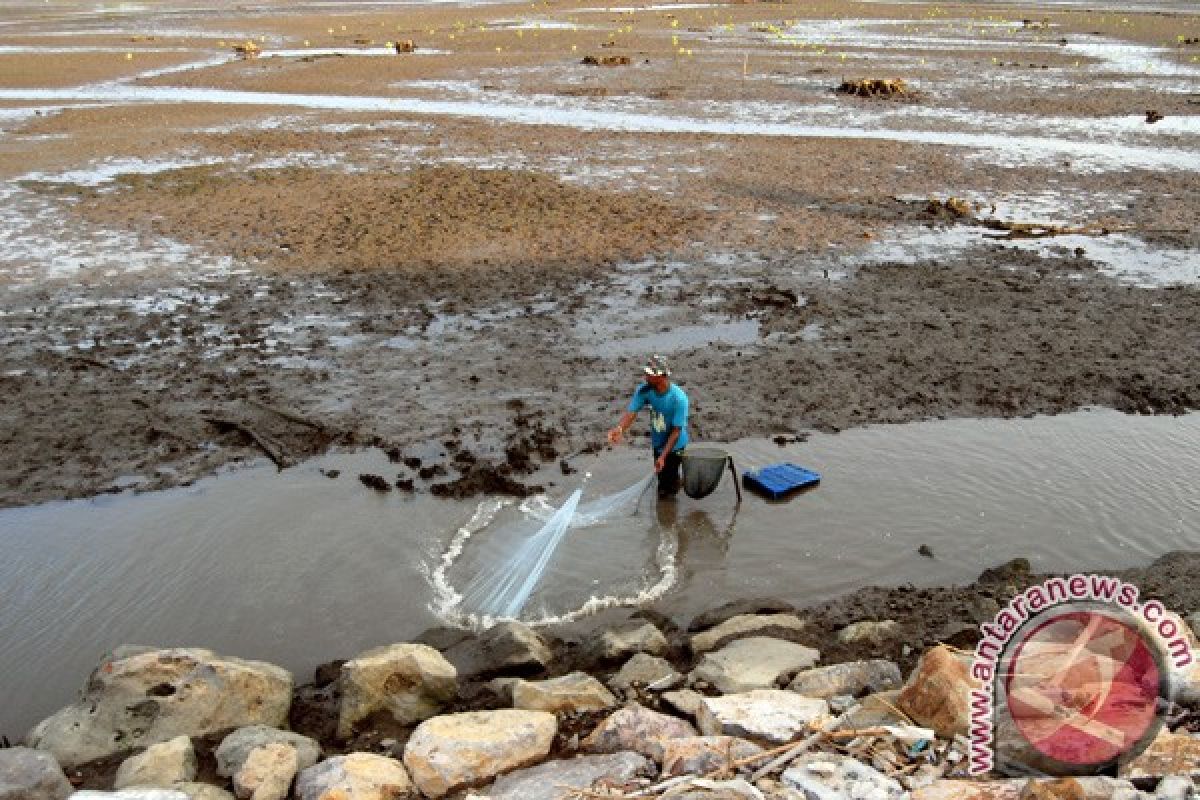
[1193, 621]
[357, 776]
[706, 789]
[868, 631]
[459, 750]
[443, 638]
[235, 747]
[1169, 754]
[1010, 572]
[636, 729]
[646, 670]
[754, 663]
[970, 790]
[685, 701]
[506, 648]
[558, 780]
[412, 682]
[203, 791]
[1061, 789]
[154, 696]
[131, 794]
[753, 605]
[1175, 787]
[28, 774]
[700, 755]
[267, 773]
[632, 637]
[575, 692]
[852, 678]
[873, 710]
[788, 627]
[160, 765]
[829, 776]
[937, 694]
[770, 715]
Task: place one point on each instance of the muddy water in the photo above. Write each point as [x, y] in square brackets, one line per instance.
[298, 568]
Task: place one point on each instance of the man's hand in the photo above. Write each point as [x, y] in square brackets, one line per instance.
[614, 435]
[660, 462]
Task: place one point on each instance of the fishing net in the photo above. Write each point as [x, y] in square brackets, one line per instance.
[502, 589]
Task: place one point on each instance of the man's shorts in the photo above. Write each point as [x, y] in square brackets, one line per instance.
[669, 477]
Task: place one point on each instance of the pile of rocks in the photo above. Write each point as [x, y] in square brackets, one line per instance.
[737, 706]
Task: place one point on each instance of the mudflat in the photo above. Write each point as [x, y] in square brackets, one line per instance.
[462, 253]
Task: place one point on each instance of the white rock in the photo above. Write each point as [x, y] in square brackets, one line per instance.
[235, 747]
[150, 697]
[868, 631]
[160, 765]
[203, 791]
[412, 682]
[27, 774]
[829, 776]
[1175, 787]
[776, 626]
[577, 691]
[753, 663]
[643, 669]
[267, 773]
[559, 780]
[357, 776]
[632, 637]
[771, 715]
[456, 751]
[685, 701]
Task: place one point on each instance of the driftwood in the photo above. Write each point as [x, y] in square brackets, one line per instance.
[269, 446]
[290, 416]
[1040, 230]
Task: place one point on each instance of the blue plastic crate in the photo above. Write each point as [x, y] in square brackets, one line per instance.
[777, 480]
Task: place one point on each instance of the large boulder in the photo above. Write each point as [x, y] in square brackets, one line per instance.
[267, 773]
[735, 608]
[754, 663]
[561, 780]
[150, 697]
[830, 775]
[636, 729]
[575, 692]
[160, 765]
[643, 669]
[788, 627]
[508, 648]
[237, 746]
[852, 678]
[412, 682]
[635, 636]
[769, 715]
[27, 774]
[456, 751]
[357, 776]
[700, 755]
[938, 692]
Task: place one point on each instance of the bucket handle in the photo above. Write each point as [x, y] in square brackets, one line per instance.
[737, 487]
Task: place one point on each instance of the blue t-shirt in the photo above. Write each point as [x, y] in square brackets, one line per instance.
[669, 410]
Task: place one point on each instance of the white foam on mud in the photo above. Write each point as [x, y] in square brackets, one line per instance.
[1025, 149]
[655, 7]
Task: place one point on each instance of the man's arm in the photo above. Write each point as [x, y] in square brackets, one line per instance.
[627, 419]
[668, 448]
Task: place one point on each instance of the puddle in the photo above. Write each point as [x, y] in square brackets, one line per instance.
[298, 569]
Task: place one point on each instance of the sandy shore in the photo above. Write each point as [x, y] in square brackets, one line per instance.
[461, 253]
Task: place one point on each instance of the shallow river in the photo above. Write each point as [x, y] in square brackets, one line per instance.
[296, 568]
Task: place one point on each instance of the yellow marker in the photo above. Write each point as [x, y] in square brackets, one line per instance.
[220, 43]
[306, 43]
[329, 30]
[129, 56]
[574, 47]
[497, 49]
[343, 27]
[388, 45]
